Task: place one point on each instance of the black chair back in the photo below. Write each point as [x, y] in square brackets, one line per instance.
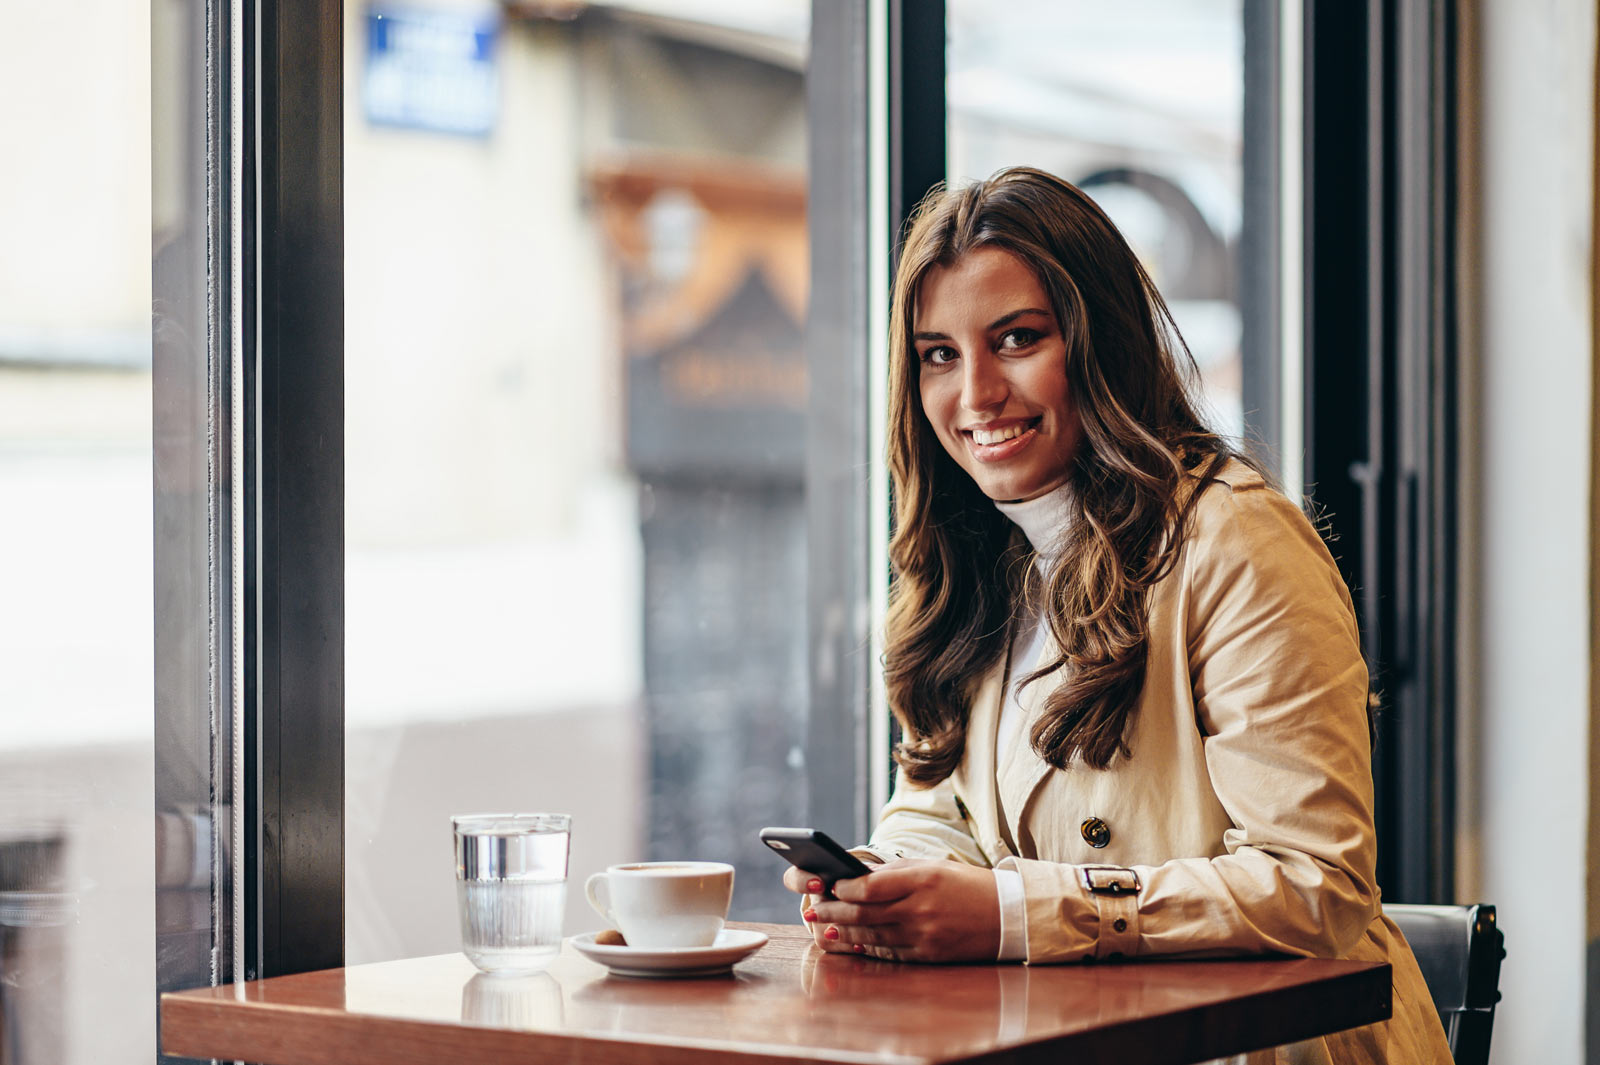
[1458, 949]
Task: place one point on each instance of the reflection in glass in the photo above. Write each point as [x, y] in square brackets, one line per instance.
[1140, 104]
[77, 962]
[575, 444]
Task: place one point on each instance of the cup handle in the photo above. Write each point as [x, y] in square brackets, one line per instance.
[599, 897]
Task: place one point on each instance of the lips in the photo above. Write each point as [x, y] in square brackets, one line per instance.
[998, 436]
[1000, 442]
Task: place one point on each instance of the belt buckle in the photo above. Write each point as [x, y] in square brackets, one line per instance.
[1110, 880]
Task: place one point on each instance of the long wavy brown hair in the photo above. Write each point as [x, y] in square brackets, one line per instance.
[962, 571]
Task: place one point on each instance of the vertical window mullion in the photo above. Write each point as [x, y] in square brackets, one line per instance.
[192, 490]
[1261, 287]
[837, 357]
[849, 289]
[1381, 395]
[295, 453]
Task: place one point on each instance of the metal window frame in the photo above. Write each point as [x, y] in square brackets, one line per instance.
[837, 504]
[861, 50]
[917, 148]
[294, 484]
[1381, 402]
[1425, 410]
[1261, 258]
[248, 488]
[193, 492]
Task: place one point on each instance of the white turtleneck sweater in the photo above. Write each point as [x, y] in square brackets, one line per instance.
[1042, 520]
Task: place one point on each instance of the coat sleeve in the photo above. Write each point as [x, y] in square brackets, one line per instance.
[1280, 697]
[925, 823]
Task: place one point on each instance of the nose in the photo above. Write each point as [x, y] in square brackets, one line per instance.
[983, 384]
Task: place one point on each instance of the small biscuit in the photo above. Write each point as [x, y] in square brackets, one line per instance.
[609, 938]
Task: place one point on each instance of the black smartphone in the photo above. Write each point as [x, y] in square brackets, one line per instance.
[815, 852]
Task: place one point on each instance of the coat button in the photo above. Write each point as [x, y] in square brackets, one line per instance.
[1096, 833]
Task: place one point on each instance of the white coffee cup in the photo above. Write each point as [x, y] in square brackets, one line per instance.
[664, 905]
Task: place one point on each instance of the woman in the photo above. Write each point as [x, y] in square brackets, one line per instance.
[1127, 669]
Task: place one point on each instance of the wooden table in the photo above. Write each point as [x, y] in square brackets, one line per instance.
[785, 1005]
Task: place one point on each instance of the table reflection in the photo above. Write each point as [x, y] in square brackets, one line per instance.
[789, 995]
[532, 1001]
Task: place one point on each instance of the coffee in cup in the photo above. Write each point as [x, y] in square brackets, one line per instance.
[664, 905]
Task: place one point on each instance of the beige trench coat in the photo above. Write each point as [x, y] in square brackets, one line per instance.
[1245, 807]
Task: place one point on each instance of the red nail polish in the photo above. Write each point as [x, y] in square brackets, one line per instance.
[859, 949]
[809, 915]
[830, 932]
[814, 887]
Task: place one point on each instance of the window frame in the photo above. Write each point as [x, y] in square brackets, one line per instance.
[293, 749]
[860, 49]
[1380, 462]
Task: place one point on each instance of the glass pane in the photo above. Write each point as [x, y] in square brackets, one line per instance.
[77, 959]
[576, 264]
[1140, 104]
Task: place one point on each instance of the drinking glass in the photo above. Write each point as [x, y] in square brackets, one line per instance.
[511, 887]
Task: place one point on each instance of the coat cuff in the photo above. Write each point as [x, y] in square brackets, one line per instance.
[1067, 920]
[1115, 891]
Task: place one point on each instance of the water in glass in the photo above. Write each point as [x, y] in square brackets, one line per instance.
[511, 889]
[511, 926]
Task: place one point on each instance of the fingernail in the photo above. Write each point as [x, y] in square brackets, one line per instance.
[814, 887]
[859, 949]
[831, 932]
[810, 915]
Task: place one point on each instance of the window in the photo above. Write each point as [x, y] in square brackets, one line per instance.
[576, 289]
[1142, 106]
[76, 960]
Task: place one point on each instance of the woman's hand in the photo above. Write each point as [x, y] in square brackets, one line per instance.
[907, 911]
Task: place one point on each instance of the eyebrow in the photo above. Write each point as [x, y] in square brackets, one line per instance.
[1003, 320]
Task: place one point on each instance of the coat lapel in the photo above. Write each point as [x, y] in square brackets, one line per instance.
[975, 778]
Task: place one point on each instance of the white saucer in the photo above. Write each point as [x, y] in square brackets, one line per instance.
[733, 945]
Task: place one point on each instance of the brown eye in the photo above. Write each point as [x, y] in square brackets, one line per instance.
[1016, 339]
[939, 356]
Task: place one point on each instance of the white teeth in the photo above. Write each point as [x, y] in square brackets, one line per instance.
[986, 436]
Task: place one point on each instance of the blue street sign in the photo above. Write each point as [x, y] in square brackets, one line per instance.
[431, 70]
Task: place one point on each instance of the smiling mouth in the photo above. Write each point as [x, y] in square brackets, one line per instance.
[990, 437]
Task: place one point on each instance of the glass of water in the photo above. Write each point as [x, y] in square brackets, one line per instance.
[511, 888]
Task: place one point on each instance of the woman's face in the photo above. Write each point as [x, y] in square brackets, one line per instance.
[993, 374]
